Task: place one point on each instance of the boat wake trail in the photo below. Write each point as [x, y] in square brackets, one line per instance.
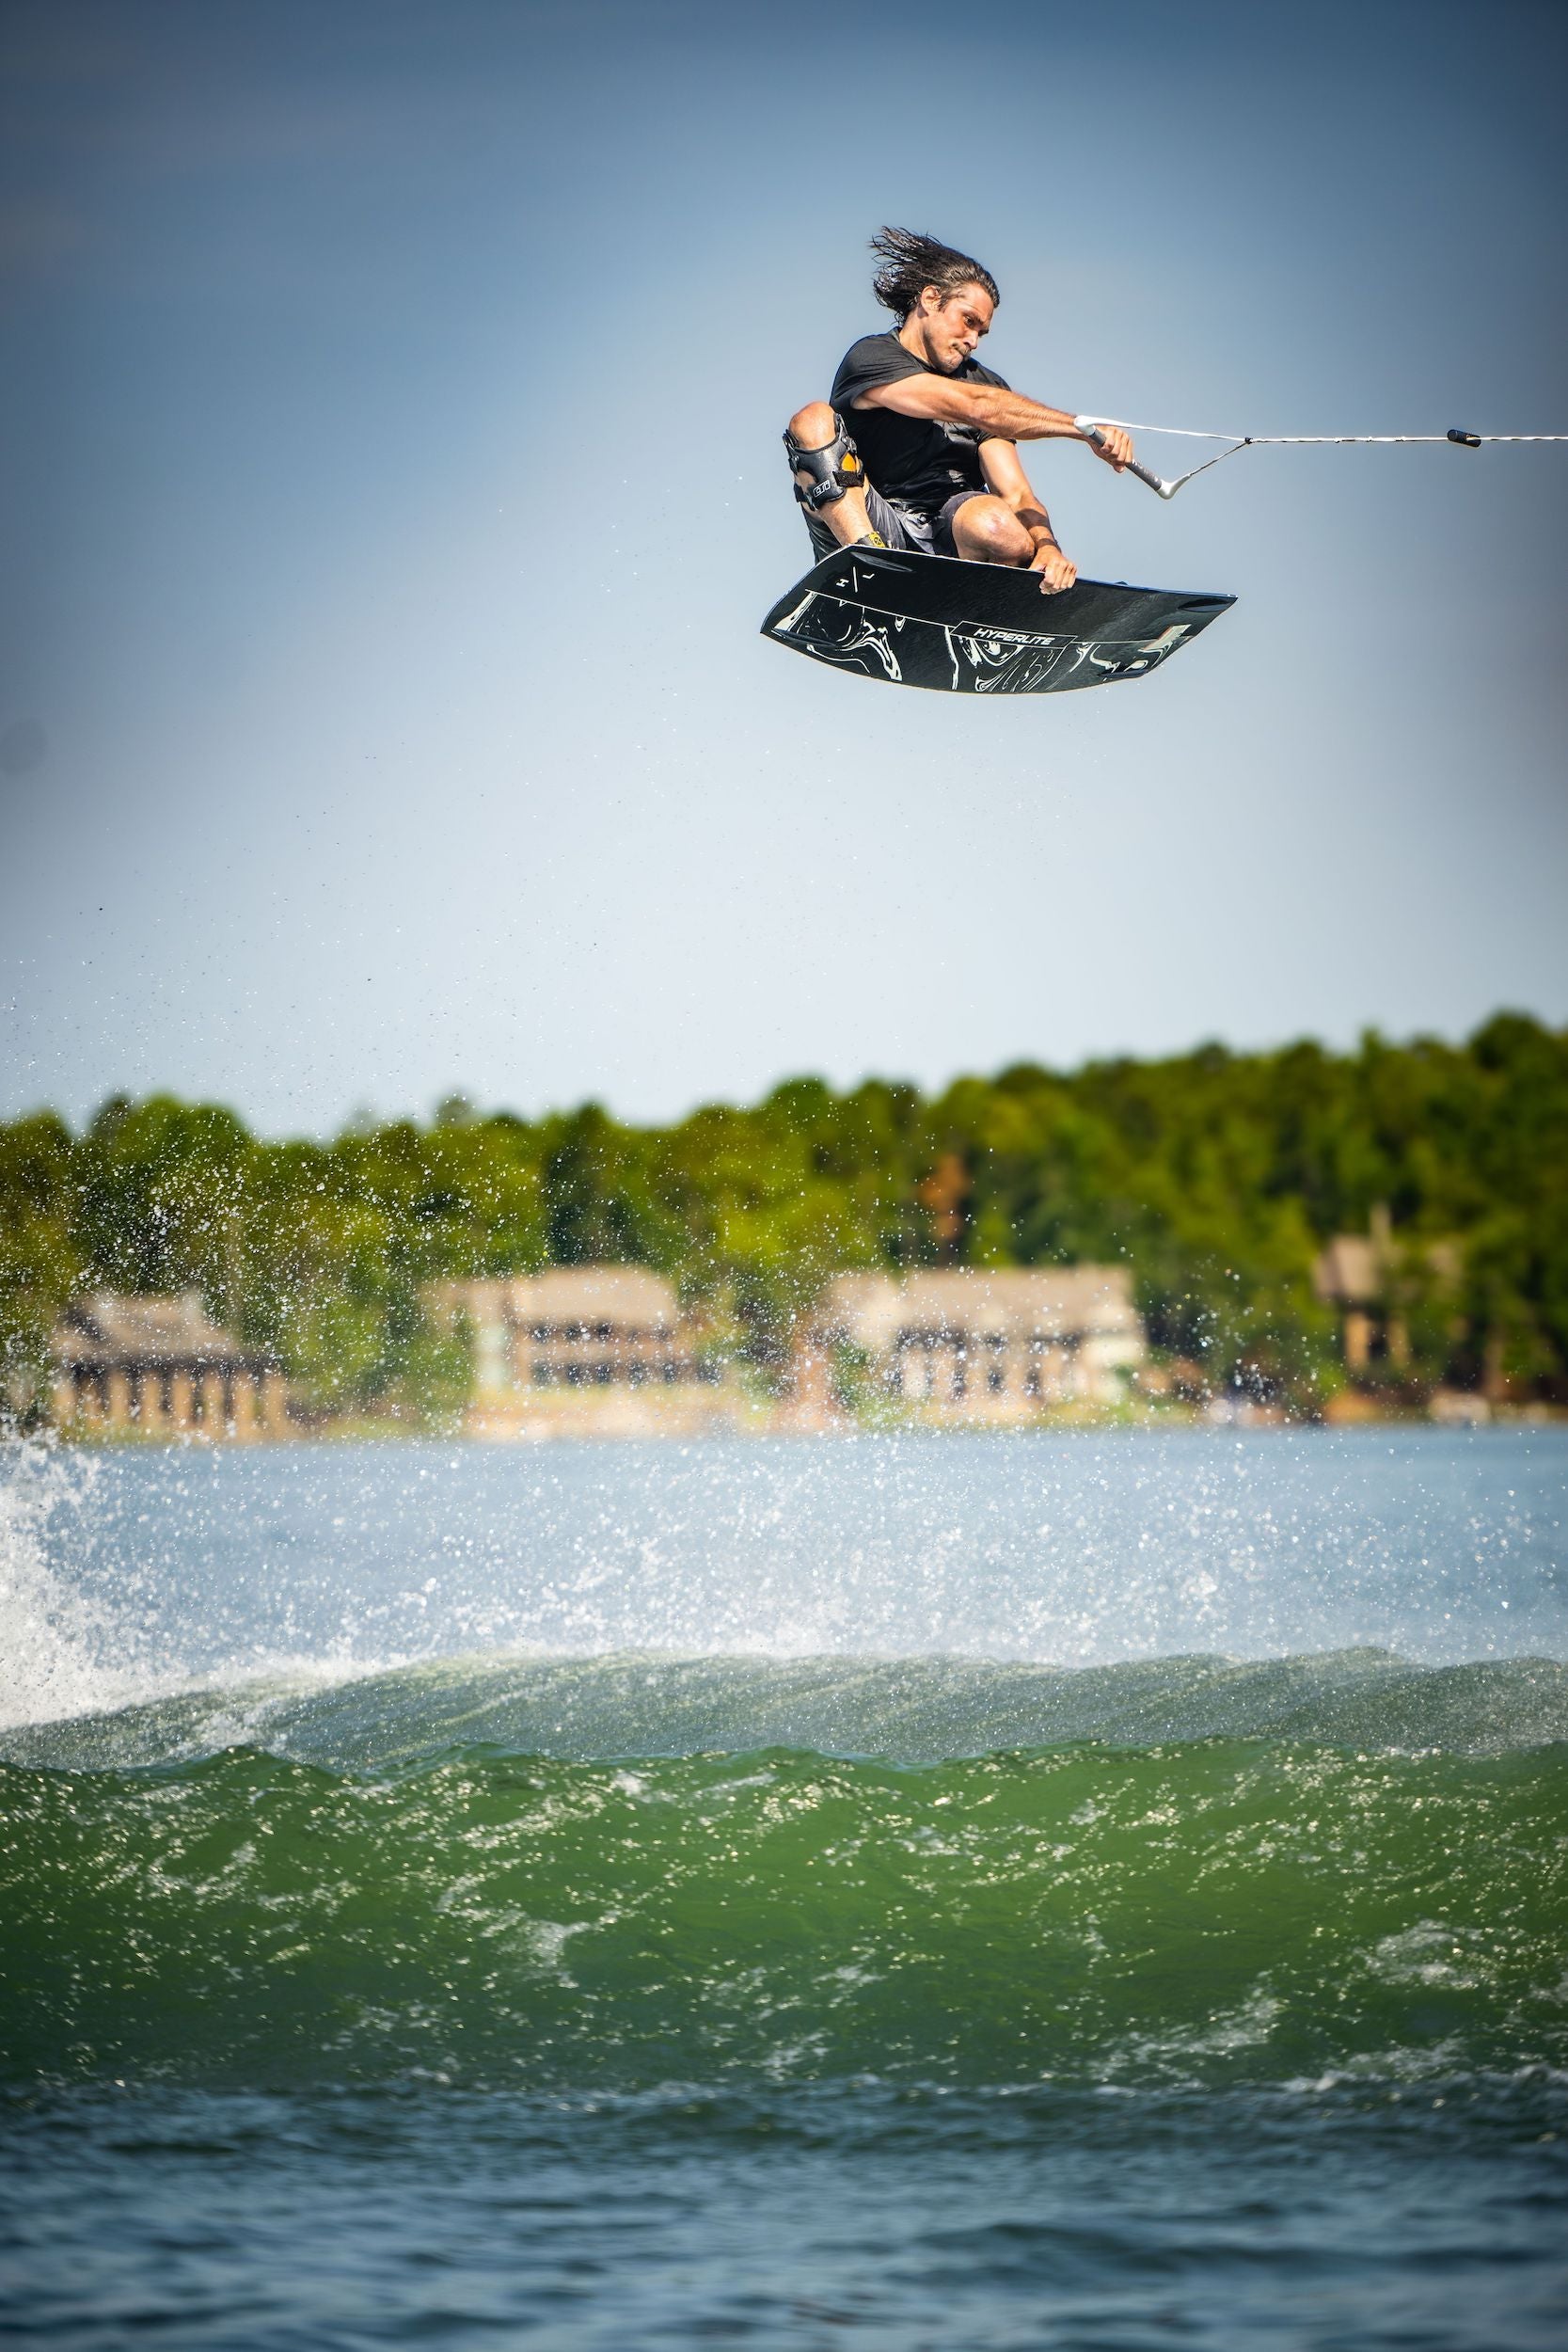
[620, 1873]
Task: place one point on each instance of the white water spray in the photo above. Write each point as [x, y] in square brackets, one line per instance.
[61, 1652]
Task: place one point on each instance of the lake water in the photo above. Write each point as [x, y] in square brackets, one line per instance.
[1056, 1890]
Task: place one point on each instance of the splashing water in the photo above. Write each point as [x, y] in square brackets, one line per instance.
[131, 1576]
[63, 1651]
[985, 1878]
[382, 1652]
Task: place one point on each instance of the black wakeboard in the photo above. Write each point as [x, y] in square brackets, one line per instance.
[980, 628]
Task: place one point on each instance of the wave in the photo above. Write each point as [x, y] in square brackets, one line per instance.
[1218, 1911]
[912, 1709]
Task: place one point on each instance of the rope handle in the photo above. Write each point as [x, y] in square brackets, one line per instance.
[1090, 428]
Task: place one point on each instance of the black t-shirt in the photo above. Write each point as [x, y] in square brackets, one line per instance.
[911, 460]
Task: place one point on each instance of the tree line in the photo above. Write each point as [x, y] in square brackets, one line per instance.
[1215, 1176]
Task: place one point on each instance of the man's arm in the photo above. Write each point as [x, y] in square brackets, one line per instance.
[1004, 476]
[990, 408]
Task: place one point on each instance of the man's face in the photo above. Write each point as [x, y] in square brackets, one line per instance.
[951, 328]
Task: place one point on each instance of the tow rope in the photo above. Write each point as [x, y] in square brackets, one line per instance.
[1088, 427]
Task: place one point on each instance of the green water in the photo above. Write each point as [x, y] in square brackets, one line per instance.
[1214, 1911]
[921, 2000]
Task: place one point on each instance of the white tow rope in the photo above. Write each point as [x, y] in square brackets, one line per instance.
[1089, 427]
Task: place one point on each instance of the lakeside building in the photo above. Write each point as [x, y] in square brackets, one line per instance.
[153, 1366]
[966, 1345]
[1369, 1279]
[591, 1350]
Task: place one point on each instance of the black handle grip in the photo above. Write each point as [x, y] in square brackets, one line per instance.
[1090, 430]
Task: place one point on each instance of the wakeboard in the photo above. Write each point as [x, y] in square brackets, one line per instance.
[980, 628]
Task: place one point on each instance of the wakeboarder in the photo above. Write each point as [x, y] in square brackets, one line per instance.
[932, 465]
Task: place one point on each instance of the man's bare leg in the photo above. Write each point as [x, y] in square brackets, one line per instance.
[986, 530]
[816, 426]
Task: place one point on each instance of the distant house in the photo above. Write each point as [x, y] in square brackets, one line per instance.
[596, 1349]
[967, 1345]
[1367, 1278]
[158, 1366]
[1349, 1273]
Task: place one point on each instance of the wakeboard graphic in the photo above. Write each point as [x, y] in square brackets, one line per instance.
[980, 628]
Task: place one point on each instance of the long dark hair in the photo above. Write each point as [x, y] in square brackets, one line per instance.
[911, 262]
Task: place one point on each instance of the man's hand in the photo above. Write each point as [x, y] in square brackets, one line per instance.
[1055, 569]
[1111, 443]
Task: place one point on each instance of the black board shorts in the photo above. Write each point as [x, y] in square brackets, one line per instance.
[902, 526]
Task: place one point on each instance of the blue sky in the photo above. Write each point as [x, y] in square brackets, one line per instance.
[392, 488]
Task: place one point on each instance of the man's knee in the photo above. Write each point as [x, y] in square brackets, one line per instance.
[821, 456]
[813, 426]
[987, 529]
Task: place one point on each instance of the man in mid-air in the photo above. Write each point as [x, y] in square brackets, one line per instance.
[933, 463]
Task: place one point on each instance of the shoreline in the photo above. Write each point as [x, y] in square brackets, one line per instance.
[758, 1429]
